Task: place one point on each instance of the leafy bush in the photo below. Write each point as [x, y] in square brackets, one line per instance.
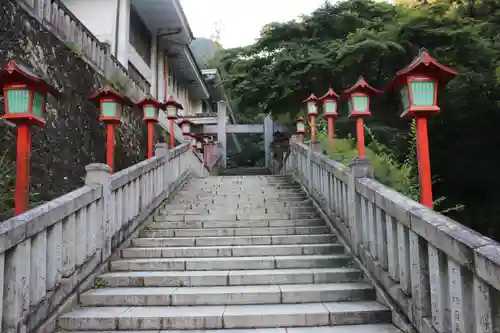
[385, 169]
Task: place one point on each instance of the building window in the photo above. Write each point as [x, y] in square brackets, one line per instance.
[140, 37]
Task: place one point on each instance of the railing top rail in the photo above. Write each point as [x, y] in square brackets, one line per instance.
[131, 173]
[465, 246]
[24, 226]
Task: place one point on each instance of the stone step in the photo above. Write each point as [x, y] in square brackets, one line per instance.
[230, 316]
[234, 241]
[296, 204]
[230, 278]
[212, 232]
[234, 224]
[233, 263]
[238, 217]
[231, 295]
[231, 209]
[368, 328]
[231, 251]
[234, 200]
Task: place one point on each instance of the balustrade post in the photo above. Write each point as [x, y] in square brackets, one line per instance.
[360, 167]
[99, 173]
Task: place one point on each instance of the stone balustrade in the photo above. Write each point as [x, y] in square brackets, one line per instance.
[56, 249]
[439, 275]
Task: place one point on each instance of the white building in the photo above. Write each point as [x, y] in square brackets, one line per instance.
[150, 38]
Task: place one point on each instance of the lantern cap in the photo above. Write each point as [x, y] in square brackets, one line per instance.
[172, 102]
[424, 64]
[330, 95]
[299, 119]
[109, 92]
[149, 100]
[185, 120]
[17, 73]
[361, 86]
[311, 98]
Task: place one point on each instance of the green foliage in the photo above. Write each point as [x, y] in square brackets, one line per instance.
[338, 42]
[76, 48]
[7, 180]
[119, 82]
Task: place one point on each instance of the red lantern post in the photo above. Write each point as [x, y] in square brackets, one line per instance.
[358, 98]
[301, 128]
[111, 105]
[151, 109]
[172, 112]
[418, 85]
[312, 111]
[24, 97]
[330, 112]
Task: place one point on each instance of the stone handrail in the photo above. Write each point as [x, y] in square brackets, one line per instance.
[59, 20]
[438, 275]
[56, 249]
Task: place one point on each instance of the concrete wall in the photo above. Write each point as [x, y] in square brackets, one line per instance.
[74, 136]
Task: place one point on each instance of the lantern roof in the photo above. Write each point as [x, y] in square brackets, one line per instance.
[311, 98]
[424, 64]
[109, 92]
[185, 121]
[330, 94]
[361, 86]
[149, 100]
[172, 102]
[17, 73]
[299, 119]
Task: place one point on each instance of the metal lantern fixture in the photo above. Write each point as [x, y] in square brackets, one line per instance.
[358, 99]
[185, 125]
[111, 105]
[330, 105]
[418, 85]
[330, 112]
[172, 108]
[312, 111]
[151, 109]
[25, 95]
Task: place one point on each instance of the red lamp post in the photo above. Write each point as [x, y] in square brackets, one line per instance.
[312, 112]
[111, 105]
[418, 86]
[301, 128]
[151, 109]
[24, 97]
[358, 99]
[172, 111]
[330, 106]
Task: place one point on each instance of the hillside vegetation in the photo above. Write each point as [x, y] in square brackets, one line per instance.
[337, 43]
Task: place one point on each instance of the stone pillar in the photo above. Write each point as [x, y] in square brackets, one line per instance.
[100, 174]
[360, 167]
[123, 32]
[161, 149]
[221, 130]
[268, 138]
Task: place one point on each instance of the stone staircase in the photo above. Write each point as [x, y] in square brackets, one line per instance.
[248, 253]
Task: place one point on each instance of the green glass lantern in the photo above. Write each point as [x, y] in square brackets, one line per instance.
[150, 108]
[111, 104]
[312, 105]
[172, 108]
[358, 98]
[418, 85]
[24, 94]
[330, 104]
[185, 125]
[301, 127]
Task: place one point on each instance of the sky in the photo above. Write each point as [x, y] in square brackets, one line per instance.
[240, 21]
